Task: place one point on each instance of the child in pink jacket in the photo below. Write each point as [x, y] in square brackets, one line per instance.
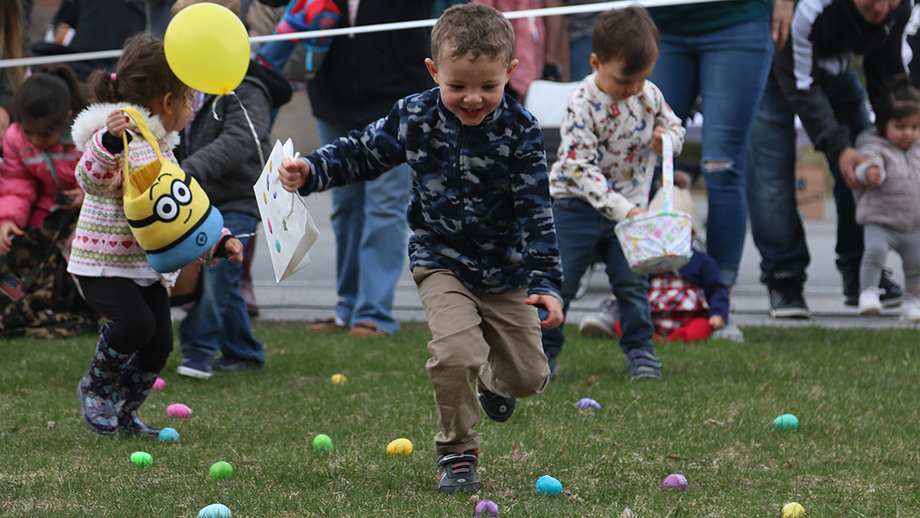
[39, 157]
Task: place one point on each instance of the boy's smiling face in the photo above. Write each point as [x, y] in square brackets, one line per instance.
[471, 89]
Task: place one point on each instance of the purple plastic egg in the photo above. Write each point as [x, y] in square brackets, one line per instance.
[587, 403]
[674, 481]
[487, 507]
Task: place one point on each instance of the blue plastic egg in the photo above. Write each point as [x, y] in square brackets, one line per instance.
[215, 511]
[168, 435]
[547, 485]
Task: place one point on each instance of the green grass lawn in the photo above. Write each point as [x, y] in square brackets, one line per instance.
[856, 453]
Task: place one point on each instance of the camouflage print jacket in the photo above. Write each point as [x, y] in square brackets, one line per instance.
[480, 204]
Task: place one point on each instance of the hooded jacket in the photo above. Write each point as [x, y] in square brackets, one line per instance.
[26, 184]
[896, 203]
[222, 153]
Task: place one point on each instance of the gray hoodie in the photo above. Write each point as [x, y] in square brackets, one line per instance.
[896, 203]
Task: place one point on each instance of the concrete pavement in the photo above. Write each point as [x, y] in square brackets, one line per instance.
[310, 294]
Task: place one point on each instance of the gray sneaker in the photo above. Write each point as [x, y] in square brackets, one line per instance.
[603, 323]
[731, 331]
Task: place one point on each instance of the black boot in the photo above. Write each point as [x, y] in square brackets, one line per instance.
[890, 294]
[97, 387]
[134, 386]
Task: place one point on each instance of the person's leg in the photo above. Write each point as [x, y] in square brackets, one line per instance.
[848, 100]
[577, 232]
[579, 58]
[776, 225]
[631, 290]
[877, 246]
[348, 226]
[132, 325]
[458, 352]
[237, 343]
[382, 249]
[676, 73]
[200, 330]
[694, 330]
[136, 380]
[517, 366]
[733, 68]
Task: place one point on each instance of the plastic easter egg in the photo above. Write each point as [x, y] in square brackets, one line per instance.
[178, 410]
[674, 481]
[547, 485]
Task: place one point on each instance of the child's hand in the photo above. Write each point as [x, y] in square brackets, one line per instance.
[7, 228]
[874, 176]
[117, 122]
[76, 196]
[234, 250]
[293, 174]
[655, 145]
[635, 211]
[552, 305]
[716, 322]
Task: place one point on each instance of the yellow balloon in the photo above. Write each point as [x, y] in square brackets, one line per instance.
[207, 47]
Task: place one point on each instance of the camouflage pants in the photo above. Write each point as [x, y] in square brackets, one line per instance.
[50, 305]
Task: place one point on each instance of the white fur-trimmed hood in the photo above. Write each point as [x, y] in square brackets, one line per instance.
[94, 116]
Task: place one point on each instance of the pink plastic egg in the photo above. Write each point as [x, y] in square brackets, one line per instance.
[178, 410]
[159, 384]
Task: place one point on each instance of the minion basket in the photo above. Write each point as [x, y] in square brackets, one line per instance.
[658, 242]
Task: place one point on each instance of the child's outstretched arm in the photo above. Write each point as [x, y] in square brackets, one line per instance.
[552, 305]
[293, 174]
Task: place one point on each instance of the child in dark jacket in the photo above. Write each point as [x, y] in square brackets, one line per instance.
[225, 153]
[483, 250]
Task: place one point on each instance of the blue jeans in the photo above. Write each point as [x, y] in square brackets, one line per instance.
[220, 321]
[371, 240]
[580, 231]
[775, 221]
[580, 58]
[727, 68]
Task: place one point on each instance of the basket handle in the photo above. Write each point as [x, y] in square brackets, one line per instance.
[667, 173]
[144, 131]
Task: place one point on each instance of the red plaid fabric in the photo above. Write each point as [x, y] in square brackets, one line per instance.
[674, 301]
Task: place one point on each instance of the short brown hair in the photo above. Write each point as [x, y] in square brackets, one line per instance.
[473, 30]
[629, 34]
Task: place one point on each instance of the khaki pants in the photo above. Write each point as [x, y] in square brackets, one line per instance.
[491, 338]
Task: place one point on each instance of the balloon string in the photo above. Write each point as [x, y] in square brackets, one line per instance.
[252, 128]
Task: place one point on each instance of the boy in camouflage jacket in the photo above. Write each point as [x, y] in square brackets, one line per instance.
[483, 250]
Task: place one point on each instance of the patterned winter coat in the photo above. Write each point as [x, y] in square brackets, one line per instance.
[480, 204]
[603, 144]
[26, 184]
[103, 245]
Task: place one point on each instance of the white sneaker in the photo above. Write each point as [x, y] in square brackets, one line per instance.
[910, 308]
[731, 331]
[869, 303]
[603, 323]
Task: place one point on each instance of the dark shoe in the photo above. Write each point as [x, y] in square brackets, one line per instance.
[97, 388]
[498, 408]
[458, 472]
[786, 300]
[643, 365]
[889, 292]
[134, 386]
[231, 364]
[195, 368]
